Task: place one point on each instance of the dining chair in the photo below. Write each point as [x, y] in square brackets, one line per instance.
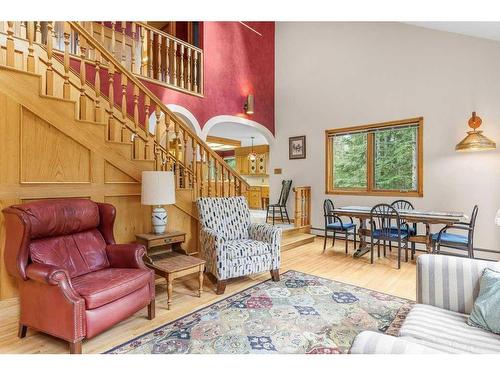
[386, 225]
[333, 223]
[281, 205]
[463, 242]
[402, 204]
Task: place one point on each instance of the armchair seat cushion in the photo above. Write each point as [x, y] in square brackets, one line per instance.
[107, 285]
[246, 248]
[337, 226]
[452, 238]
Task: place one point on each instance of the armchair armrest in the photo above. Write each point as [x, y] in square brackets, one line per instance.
[46, 274]
[126, 255]
[265, 233]
[211, 246]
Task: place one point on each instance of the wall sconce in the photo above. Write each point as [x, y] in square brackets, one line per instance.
[249, 105]
[475, 140]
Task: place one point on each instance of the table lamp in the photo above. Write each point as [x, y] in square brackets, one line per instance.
[158, 188]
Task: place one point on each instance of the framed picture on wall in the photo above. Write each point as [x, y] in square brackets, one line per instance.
[297, 147]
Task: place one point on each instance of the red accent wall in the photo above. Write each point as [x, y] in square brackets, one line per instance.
[237, 62]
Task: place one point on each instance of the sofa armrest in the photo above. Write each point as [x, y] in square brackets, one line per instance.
[448, 282]
[211, 246]
[126, 255]
[368, 342]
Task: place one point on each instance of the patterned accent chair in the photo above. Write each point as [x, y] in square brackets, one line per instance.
[446, 289]
[231, 245]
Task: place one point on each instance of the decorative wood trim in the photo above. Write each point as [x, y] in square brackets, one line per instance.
[329, 189]
[224, 141]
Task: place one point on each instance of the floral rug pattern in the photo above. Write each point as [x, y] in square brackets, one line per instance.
[301, 314]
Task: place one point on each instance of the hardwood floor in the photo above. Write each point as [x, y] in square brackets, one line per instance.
[334, 264]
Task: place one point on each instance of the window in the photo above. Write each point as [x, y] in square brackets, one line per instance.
[377, 159]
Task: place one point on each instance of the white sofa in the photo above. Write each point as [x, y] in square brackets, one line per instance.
[446, 289]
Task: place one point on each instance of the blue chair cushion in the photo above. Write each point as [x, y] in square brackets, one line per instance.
[393, 233]
[451, 238]
[336, 225]
[405, 229]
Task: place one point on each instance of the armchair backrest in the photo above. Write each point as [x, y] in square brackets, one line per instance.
[230, 217]
[68, 233]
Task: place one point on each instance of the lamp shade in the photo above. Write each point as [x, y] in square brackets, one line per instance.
[158, 188]
[475, 139]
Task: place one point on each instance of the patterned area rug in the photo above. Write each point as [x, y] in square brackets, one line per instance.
[300, 314]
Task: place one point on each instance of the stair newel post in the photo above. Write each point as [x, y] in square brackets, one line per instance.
[122, 50]
[124, 83]
[150, 141]
[158, 57]
[200, 73]
[10, 53]
[113, 39]
[97, 85]
[49, 84]
[30, 33]
[174, 62]
[132, 55]
[113, 133]
[83, 79]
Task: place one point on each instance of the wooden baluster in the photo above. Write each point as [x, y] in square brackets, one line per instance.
[124, 83]
[150, 36]
[83, 79]
[159, 59]
[136, 107]
[113, 39]
[209, 175]
[158, 138]
[174, 63]
[97, 86]
[144, 52]
[10, 44]
[201, 179]
[66, 85]
[184, 153]
[38, 32]
[122, 51]
[150, 141]
[181, 69]
[30, 31]
[194, 169]
[132, 55]
[222, 178]
[113, 132]
[23, 32]
[195, 71]
[188, 70]
[166, 59]
[167, 134]
[176, 152]
[200, 73]
[103, 34]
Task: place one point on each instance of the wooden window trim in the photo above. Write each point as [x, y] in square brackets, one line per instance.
[329, 189]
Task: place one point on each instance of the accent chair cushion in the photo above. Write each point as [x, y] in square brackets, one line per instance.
[486, 311]
[107, 285]
[451, 238]
[337, 226]
[447, 331]
[392, 233]
[246, 248]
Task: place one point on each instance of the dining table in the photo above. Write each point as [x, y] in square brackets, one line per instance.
[425, 217]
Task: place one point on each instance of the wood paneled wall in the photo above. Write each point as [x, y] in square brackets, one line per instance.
[39, 161]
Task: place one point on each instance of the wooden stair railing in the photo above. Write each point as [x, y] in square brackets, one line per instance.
[153, 54]
[172, 146]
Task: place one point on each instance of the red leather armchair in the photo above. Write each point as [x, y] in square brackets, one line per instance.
[74, 281]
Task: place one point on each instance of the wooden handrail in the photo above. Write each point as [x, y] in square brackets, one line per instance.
[161, 32]
[109, 57]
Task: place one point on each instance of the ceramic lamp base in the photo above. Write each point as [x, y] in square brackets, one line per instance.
[159, 220]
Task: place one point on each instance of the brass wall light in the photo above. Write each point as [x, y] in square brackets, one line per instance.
[475, 140]
[249, 105]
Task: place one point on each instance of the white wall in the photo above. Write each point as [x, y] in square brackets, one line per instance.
[331, 75]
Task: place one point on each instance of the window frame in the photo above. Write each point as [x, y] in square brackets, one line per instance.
[370, 160]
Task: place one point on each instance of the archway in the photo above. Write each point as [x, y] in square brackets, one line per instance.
[227, 119]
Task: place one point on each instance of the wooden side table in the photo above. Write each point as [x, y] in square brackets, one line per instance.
[167, 258]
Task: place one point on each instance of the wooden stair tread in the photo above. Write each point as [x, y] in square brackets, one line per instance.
[296, 240]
